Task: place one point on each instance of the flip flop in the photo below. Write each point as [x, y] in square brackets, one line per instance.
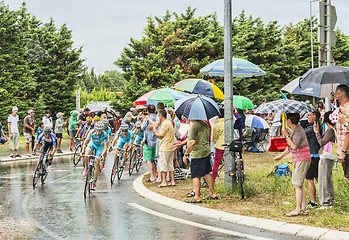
[12, 156]
[294, 213]
[193, 201]
[211, 198]
[190, 194]
[162, 186]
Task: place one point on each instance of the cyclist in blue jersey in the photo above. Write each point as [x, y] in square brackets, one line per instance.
[49, 141]
[128, 122]
[108, 131]
[139, 133]
[124, 139]
[96, 140]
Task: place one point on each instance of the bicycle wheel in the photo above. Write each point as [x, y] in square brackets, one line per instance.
[88, 182]
[240, 177]
[139, 159]
[36, 174]
[77, 157]
[43, 175]
[133, 159]
[114, 170]
[120, 167]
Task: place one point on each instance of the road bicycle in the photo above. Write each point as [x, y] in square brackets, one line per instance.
[40, 170]
[78, 151]
[235, 149]
[119, 165]
[136, 159]
[90, 174]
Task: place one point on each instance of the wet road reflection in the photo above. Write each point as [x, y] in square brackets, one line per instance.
[58, 210]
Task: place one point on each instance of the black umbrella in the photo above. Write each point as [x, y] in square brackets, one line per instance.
[326, 75]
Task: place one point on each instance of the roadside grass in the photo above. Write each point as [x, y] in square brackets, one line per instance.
[268, 197]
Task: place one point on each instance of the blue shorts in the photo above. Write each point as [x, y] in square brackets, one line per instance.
[138, 140]
[99, 149]
[121, 143]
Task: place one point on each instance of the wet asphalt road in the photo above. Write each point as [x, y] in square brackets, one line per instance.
[57, 209]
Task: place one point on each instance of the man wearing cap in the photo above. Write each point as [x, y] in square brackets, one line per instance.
[29, 130]
[84, 115]
[13, 129]
[131, 114]
[47, 120]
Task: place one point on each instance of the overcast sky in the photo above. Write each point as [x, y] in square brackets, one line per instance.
[104, 27]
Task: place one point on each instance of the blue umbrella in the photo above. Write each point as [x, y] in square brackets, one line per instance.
[241, 68]
[197, 107]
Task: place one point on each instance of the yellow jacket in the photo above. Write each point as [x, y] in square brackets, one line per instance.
[218, 134]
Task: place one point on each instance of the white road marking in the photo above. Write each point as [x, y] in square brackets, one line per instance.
[195, 224]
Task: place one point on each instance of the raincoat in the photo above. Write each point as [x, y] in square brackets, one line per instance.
[73, 120]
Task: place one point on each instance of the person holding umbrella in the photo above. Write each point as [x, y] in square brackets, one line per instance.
[197, 108]
[300, 153]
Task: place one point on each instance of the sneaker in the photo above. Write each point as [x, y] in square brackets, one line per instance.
[85, 171]
[93, 185]
[312, 205]
[324, 207]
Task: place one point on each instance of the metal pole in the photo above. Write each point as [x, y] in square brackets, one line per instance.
[311, 35]
[228, 93]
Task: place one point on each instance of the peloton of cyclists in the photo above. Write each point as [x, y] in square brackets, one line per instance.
[96, 140]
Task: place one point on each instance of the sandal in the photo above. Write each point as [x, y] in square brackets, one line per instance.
[162, 186]
[193, 201]
[210, 198]
[190, 194]
[294, 213]
[12, 156]
[305, 212]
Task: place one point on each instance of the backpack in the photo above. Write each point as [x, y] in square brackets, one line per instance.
[282, 170]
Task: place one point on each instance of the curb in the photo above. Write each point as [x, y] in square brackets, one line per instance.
[260, 223]
[25, 158]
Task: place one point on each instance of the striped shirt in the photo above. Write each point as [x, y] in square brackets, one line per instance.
[149, 136]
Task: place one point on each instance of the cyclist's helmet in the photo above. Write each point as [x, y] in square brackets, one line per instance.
[47, 130]
[96, 118]
[138, 124]
[99, 126]
[105, 122]
[127, 120]
[124, 127]
[139, 118]
[89, 119]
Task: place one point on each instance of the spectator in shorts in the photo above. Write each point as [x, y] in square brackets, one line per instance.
[166, 147]
[314, 147]
[29, 130]
[300, 153]
[149, 142]
[13, 129]
[200, 166]
[73, 122]
[59, 130]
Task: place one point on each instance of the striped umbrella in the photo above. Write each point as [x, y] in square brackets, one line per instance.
[199, 86]
[255, 122]
[241, 68]
[165, 95]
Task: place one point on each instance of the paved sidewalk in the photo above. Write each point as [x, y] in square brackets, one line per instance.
[263, 224]
[25, 158]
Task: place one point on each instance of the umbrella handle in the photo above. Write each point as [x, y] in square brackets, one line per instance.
[283, 117]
